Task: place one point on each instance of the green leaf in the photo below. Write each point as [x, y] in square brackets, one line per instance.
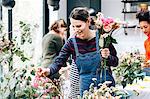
[123, 84]
[33, 72]
[29, 78]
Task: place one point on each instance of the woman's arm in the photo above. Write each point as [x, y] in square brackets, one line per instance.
[112, 59]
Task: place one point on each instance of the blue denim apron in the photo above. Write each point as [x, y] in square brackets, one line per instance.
[88, 65]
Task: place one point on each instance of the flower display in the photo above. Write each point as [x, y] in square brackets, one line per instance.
[45, 87]
[21, 81]
[25, 84]
[129, 68]
[104, 92]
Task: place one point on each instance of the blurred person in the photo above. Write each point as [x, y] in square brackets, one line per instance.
[144, 22]
[52, 43]
[92, 18]
[143, 7]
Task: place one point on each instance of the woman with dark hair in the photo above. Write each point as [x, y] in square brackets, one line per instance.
[74, 74]
[52, 43]
[86, 53]
[144, 22]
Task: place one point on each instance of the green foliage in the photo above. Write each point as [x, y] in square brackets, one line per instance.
[25, 32]
[10, 78]
[27, 85]
[17, 81]
[10, 49]
[129, 68]
[108, 40]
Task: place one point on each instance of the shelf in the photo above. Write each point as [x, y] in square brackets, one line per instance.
[125, 1]
[130, 27]
[131, 7]
[129, 12]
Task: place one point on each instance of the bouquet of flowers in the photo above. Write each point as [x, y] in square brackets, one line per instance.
[104, 92]
[106, 27]
[129, 68]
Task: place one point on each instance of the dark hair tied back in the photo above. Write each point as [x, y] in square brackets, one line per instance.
[143, 16]
[80, 14]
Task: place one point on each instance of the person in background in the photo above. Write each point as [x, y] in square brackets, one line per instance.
[144, 22]
[52, 43]
[92, 18]
[143, 7]
[85, 51]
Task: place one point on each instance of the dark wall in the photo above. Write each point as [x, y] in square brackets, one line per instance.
[0, 12]
[95, 4]
[45, 17]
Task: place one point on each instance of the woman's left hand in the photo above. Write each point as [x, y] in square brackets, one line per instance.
[105, 53]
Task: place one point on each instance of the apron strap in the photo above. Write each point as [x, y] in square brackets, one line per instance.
[97, 41]
[75, 46]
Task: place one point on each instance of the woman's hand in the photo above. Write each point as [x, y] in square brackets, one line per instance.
[42, 72]
[105, 53]
[145, 64]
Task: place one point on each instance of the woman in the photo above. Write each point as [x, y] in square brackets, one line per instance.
[144, 22]
[85, 51]
[52, 42]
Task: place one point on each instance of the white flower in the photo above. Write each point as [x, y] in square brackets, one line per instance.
[105, 35]
[94, 79]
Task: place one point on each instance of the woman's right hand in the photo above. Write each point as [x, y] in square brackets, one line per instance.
[146, 64]
[105, 53]
[42, 72]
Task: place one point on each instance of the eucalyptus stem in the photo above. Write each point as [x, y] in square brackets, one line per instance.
[104, 69]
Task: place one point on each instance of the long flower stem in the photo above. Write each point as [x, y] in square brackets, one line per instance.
[55, 87]
[104, 69]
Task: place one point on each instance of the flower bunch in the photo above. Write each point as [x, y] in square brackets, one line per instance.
[106, 27]
[129, 68]
[107, 23]
[104, 92]
[45, 87]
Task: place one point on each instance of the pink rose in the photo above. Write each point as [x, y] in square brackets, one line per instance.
[35, 85]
